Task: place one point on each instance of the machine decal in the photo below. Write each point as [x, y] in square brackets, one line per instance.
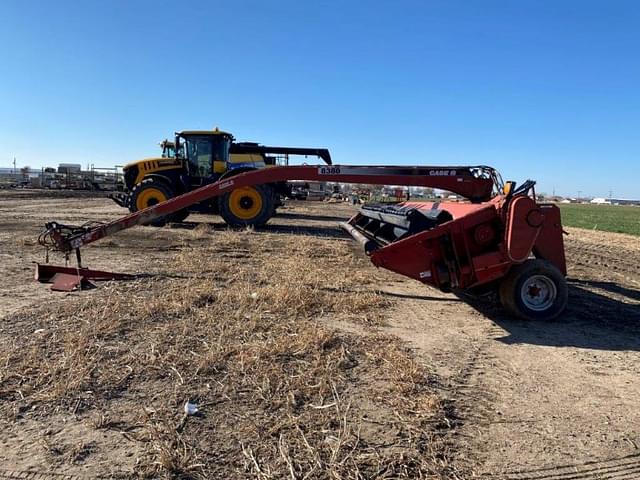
[329, 171]
[373, 170]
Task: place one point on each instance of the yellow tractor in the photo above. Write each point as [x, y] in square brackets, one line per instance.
[199, 157]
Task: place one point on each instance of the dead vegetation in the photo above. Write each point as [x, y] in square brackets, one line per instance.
[240, 327]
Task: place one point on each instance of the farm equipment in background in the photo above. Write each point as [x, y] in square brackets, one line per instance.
[201, 157]
[501, 240]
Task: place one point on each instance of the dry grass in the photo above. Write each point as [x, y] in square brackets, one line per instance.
[240, 329]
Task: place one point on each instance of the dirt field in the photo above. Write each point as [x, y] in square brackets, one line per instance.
[304, 360]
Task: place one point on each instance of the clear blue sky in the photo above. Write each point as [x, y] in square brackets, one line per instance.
[542, 89]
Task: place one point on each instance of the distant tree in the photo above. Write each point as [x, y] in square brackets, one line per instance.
[24, 171]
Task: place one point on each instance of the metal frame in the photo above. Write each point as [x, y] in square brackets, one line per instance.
[474, 183]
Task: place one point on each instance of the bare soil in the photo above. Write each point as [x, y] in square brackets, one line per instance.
[304, 359]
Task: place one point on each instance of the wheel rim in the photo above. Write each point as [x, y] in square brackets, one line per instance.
[245, 203]
[538, 293]
[148, 197]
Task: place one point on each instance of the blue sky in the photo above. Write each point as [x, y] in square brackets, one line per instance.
[539, 89]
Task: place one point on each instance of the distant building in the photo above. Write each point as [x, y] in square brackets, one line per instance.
[397, 192]
[69, 168]
[600, 201]
[625, 201]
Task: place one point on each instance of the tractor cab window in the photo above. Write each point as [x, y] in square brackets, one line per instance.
[220, 148]
[200, 156]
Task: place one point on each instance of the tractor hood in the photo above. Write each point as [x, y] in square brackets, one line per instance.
[153, 162]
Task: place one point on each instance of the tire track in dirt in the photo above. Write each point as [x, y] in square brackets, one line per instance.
[474, 396]
[35, 475]
[620, 468]
[456, 342]
[603, 261]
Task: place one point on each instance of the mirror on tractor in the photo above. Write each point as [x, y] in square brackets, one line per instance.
[168, 149]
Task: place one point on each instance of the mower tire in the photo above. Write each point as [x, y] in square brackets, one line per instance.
[534, 290]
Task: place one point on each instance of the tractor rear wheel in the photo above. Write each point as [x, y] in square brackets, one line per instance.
[152, 191]
[534, 290]
[247, 206]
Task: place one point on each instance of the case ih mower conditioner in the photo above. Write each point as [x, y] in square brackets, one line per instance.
[501, 239]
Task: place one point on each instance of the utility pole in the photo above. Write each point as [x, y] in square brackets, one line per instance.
[610, 194]
[579, 195]
[14, 166]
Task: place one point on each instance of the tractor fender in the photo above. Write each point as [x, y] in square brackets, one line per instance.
[278, 188]
[172, 181]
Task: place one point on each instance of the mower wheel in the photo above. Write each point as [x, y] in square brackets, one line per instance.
[534, 290]
[152, 191]
[247, 206]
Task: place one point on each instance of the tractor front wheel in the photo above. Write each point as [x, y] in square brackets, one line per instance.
[152, 191]
[247, 206]
[534, 290]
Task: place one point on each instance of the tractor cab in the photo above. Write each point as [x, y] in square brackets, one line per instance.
[206, 153]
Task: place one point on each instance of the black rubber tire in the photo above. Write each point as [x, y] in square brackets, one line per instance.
[511, 288]
[167, 191]
[266, 211]
[180, 216]
[277, 202]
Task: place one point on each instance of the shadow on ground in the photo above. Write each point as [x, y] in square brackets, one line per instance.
[315, 230]
[599, 316]
[304, 216]
[425, 298]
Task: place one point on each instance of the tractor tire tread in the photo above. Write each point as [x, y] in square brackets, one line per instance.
[267, 211]
[169, 192]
